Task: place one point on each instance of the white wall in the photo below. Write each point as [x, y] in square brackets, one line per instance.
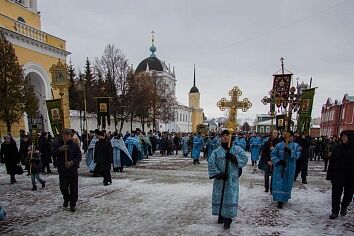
[92, 124]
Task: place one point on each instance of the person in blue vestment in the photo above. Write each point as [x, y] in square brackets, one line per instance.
[284, 156]
[197, 147]
[145, 144]
[235, 158]
[133, 146]
[185, 144]
[212, 144]
[90, 153]
[240, 141]
[255, 145]
[121, 156]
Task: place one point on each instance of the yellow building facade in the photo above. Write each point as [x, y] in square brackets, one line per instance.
[37, 51]
[194, 103]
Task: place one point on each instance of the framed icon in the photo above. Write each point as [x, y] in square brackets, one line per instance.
[55, 112]
[305, 105]
[103, 107]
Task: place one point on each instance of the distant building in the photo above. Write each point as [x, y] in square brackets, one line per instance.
[212, 125]
[263, 124]
[186, 117]
[337, 116]
[315, 128]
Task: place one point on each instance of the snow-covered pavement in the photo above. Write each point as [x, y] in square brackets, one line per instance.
[167, 196]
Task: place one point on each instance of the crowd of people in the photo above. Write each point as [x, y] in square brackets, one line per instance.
[282, 157]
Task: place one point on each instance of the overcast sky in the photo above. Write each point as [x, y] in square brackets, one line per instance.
[231, 42]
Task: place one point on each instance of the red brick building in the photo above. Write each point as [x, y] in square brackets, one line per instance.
[337, 116]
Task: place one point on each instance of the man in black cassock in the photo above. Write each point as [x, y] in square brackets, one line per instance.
[103, 157]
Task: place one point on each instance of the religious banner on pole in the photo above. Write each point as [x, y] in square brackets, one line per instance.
[281, 87]
[280, 122]
[303, 122]
[103, 114]
[55, 115]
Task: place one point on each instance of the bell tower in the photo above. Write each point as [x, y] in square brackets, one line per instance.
[194, 103]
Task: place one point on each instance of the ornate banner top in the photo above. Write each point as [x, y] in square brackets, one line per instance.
[59, 76]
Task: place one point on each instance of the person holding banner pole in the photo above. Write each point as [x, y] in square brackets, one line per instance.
[68, 156]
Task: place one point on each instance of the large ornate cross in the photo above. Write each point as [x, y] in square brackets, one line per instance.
[233, 105]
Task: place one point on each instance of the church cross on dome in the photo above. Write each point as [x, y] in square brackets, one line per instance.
[153, 48]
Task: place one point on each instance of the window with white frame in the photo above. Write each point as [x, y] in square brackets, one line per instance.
[267, 129]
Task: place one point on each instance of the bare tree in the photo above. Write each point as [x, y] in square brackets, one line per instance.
[153, 98]
[114, 65]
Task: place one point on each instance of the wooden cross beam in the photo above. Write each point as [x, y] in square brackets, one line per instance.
[233, 105]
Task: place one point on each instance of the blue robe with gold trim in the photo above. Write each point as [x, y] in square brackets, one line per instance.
[90, 154]
[255, 146]
[282, 184]
[216, 165]
[197, 147]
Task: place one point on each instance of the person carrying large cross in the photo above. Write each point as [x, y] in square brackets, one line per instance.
[223, 167]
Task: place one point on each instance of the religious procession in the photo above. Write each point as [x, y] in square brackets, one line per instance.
[93, 145]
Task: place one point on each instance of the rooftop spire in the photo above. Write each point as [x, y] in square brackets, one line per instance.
[152, 48]
[194, 89]
[194, 77]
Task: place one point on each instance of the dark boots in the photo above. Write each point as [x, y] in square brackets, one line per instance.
[333, 216]
[34, 188]
[221, 220]
[12, 179]
[66, 204]
[227, 223]
[343, 211]
[72, 208]
[280, 205]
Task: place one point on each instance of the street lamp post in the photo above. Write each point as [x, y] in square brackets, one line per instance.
[82, 87]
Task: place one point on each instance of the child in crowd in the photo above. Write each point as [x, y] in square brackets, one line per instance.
[35, 167]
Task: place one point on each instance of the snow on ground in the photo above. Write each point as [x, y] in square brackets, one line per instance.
[167, 196]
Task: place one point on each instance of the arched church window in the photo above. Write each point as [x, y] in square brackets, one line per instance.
[20, 18]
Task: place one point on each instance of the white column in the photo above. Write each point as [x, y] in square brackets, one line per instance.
[26, 3]
[33, 5]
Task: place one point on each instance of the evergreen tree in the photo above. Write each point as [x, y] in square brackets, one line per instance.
[92, 90]
[74, 95]
[16, 94]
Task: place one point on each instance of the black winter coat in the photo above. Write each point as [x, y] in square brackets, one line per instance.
[341, 165]
[103, 155]
[73, 154]
[44, 148]
[9, 154]
[305, 148]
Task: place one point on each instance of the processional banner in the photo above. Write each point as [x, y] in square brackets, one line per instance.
[55, 113]
[103, 113]
[306, 104]
[281, 87]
